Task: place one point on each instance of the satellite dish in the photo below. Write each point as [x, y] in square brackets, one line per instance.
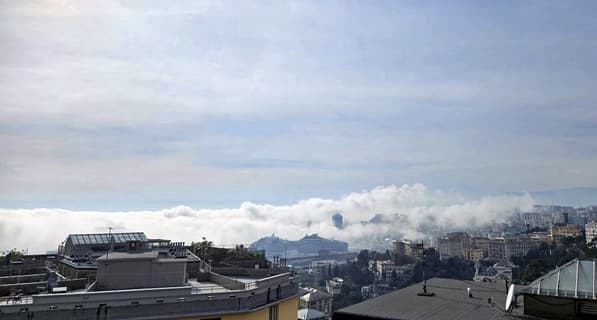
[510, 298]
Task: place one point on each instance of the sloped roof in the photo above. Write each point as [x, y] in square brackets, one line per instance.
[315, 295]
[450, 301]
[574, 279]
[308, 314]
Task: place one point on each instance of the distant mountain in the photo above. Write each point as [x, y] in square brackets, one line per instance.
[576, 197]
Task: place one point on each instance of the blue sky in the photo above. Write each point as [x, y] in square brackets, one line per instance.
[113, 105]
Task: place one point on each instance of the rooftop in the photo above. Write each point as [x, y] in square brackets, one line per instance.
[129, 255]
[575, 279]
[449, 302]
[312, 294]
[308, 314]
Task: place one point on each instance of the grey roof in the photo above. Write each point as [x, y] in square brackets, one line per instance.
[104, 238]
[449, 302]
[314, 295]
[308, 314]
[574, 279]
[129, 255]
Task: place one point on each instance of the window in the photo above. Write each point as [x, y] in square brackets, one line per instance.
[273, 312]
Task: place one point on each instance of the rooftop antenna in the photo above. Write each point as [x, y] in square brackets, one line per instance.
[425, 293]
[109, 243]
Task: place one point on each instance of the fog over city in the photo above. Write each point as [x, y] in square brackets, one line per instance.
[419, 208]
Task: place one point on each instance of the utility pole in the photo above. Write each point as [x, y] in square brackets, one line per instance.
[109, 242]
[423, 263]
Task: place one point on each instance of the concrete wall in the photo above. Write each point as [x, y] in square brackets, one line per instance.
[140, 273]
[167, 303]
[26, 288]
[548, 306]
[243, 272]
[69, 271]
[33, 287]
[192, 269]
[226, 282]
[24, 278]
[273, 280]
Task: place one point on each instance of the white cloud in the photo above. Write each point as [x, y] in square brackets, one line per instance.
[408, 209]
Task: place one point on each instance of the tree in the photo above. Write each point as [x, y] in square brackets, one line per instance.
[11, 255]
[363, 259]
[534, 270]
[394, 279]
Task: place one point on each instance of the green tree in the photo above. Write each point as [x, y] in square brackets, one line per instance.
[363, 259]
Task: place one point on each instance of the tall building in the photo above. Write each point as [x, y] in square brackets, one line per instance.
[559, 231]
[385, 268]
[504, 248]
[338, 220]
[454, 244]
[316, 299]
[479, 249]
[591, 230]
[408, 248]
[321, 270]
[334, 286]
[497, 249]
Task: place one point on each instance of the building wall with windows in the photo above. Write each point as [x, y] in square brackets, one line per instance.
[316, 299]
[497, 249]
[454, 244]
[591, 230]
[559, 231]
[520, 246]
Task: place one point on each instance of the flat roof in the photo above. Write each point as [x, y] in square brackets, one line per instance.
[450, 301]
[129, 255]
[205, 287]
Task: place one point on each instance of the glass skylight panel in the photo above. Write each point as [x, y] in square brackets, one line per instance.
[585, 277]
[568, 278]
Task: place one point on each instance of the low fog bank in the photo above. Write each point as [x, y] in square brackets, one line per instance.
[407, 211]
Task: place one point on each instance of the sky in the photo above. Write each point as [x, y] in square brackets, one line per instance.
[146, 105]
